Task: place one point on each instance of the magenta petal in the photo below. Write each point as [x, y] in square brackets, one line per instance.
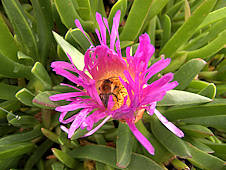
[64, 128]
[64, 96]
[141, 138]
[77, 23]
[77, 122]
[169, 125]
[71, 107]
[98, 127]
[102, 27]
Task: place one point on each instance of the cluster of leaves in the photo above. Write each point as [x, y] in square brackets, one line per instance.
[191, 32]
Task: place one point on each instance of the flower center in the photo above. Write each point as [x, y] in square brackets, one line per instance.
[112, 86]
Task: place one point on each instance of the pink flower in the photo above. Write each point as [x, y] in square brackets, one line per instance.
[116, 86]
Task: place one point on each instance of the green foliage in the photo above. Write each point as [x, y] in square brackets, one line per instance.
[37, 32]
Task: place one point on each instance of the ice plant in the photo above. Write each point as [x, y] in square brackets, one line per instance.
[115, 87]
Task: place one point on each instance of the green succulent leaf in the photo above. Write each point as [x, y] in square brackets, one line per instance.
[169, 140]
[177, 97]
[107, 155]
[124, 146]
[7, 92]
[187, 29]
[64, 158]
[9, 151]
[187, 72]
[7, 44]
[25, 96]
[22, 27]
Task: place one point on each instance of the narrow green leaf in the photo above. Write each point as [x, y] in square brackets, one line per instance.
[6, 164]
[119, 5]
[161, 153]
[24, 59]
[58, 166]
[7, 92]
[24, 121]
[196, 142]
[42, 75]
[217, 122]
[43, 14]
[213, 17]
[177, 97]
[9, 105]
[166, 29]
[11, 69]
[68, 14]
[7, 44]
[20, 137]
[197, 131]
[187, 10]
[197, 85]
[178, 164]
[84, 9]
[50, 135]
[21, 26]
[210, 49]
[187, 72]
[124, 146]
[42, 100]
[209, 91]
[77, 57]
[76, 37]
[204, 160]
[187, 29]
[25, 96]
[64, 158]
[38, 153]
[217, 107]
[176, 62]
[9, 151]
[219, 148]
[135, 20]
[107, 155]
[173, 143]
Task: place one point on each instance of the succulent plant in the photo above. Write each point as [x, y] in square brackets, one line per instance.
[35, 33]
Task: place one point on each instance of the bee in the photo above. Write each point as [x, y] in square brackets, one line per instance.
[106, 89]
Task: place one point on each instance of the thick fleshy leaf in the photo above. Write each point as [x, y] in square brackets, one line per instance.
[77, 57]
[124, 146]
[64, 158]
[135, 20]
[209, 91]
[42, 75]
[204, 160]
[7, 44]
[210, 49]
[9, 151]
[217, 107]
[12, 69]
[7, 92]
[76, 38]
[36, 156]
[196, 131]
[20, 137]
[217, 122]
[187, 72]
[174, 144]
[187, 29]
[107, 155]
[43, 14]
[213, 17]
[25, 96]
[21, 26]
[23, 121]
[119, 5]
[177, 97]
[161, 153]
[42, 100]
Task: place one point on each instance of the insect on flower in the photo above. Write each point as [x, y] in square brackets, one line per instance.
[117, 87]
